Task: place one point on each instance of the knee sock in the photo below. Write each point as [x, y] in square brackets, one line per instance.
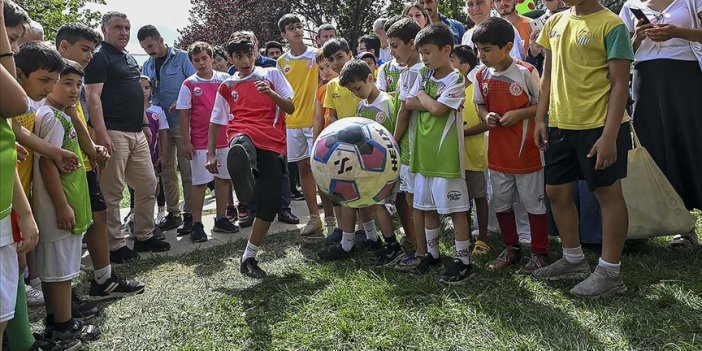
[250, 251]
[103, 274]
[433, 241]
[463, 251]
[347, 241]
[612, 269]
[573, 255]
[371, 232]
[19, 334]
[508, 228]
[539, 236]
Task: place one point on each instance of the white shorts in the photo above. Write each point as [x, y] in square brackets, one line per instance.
[200, 174]
[299, 142]
[58, 261]
[443, 195]
[9, 276]
[527, 189]
[406, 179]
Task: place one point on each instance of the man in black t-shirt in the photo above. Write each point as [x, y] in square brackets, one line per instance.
[116, 110]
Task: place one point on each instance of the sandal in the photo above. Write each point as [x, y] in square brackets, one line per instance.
[480, 248]
[685, 243]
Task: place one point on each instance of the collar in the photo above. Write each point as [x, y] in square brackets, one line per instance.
[112, 49]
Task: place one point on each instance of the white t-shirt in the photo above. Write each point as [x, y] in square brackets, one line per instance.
[385, 55]
[517, 51]
[407, 80]
[676, 13]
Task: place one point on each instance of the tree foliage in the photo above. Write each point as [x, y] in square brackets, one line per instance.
[52, 14]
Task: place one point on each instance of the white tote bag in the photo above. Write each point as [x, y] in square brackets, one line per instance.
[655, 208]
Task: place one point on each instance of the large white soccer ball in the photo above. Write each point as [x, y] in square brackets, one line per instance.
[356, 161]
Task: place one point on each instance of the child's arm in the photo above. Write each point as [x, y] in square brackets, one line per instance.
[13, 100]
[184, 120]
[65, 217]
[402, 121]
[540, 130]
[285, 104]
[514, 116]
[434, 107]
[219, 118]
[532, 82]
[476, 129]
[318, 119]
[97, 153]
[162, 147]
[64, 159]
[605, 147]
[332, 115]
[26, 223]
[413, 104]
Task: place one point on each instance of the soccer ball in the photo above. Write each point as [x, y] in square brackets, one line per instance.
[356, 161]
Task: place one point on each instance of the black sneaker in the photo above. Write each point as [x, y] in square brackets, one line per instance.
[335, 237]
[251, 269]
[426, 264]
[45, 344]
[151, 244]
[375, 247]
[82, 309]
[335, 253]
[246, 221]
[223, 225]
[158, 233]
[115, 287]
[391, 255]
[80, 330]
[123, 255]
[240, 171]
[297, 196]
[231, 213]
[458, 273]
[286, 216]
[187, 225]
[198, 235]
[171, 222]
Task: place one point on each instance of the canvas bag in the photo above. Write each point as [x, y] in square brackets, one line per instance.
[655, 208]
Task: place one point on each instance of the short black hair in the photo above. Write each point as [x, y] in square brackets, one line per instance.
[390, 21]
[465, 54]
[219, 51]
[198, 47]
[72, 67]
[73, 32]
[372, 42]
[404, 29]
[240, 43]
[14, 15]
[286, 20]
[333, 45]
[435, 34]
[273, 44]
[35, 55]
[326, 26]
[495, 31]
[354, 71]
[148, 31]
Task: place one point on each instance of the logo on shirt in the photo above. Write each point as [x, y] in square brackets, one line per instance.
[152, 116]
[484, 88]
[584, 38]
[286, 69]
[235, 96]
[197, 91]
[380, 117]
[72, 135]
[454, 195]
[336, 95]
[389, 80]
[515, 89]
[310, 63]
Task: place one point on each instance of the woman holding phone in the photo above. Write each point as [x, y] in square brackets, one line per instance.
[667, 86]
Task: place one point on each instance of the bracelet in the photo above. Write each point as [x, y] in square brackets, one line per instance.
[145, 125]
[7, 54]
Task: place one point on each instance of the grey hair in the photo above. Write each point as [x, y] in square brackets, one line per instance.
[108, 16]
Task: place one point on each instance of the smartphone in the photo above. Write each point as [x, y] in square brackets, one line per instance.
[640, 15]
[537, 24]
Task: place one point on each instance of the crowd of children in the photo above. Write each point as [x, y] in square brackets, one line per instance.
[468, 118]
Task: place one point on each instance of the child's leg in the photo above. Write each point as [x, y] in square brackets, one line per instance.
[615, 221]
[432, 230]
[420, 239]
[221, 187]
[504, 193]
[309, 188]
[385, 222]
[481, 210]
[461, 226]
[531, 195]
[565, 214]
[18, 327]
[198, 201]
[8, 279]
[404, 211]
[329, 216]
[347, 225]
[98, 244]
[58, 300]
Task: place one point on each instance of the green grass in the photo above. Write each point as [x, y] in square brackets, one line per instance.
[199, 301]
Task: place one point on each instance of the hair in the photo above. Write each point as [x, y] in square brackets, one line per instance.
[71, 67]
[73, 32]
[108, 16]
[219, 51]
[435, 34]
[15, 15]
[493, 30]
[326, 26]
[148, 31]
[419, 7]
[465, 54]
[372, 42]
[379, 23]
[273, 44]
[333, 45]
[35, 55]
[240, 43]
[36, 27]
[319, 56]
[286, 20]
[198, 47]
[390, 21]
[404, 29]
[354, 71]
[146, 78]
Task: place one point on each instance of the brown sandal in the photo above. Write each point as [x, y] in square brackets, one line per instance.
[685, 243]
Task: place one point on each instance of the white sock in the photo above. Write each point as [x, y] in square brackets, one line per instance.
[573, 255]
[463, 251]
[612, 269]
[347, 241]
[103, 274]
[251, 251]
[433, 241]
[371, 232]
[35, 283]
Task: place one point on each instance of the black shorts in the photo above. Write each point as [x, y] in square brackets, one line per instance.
[567, 161]
[267, 190]
[97, 201]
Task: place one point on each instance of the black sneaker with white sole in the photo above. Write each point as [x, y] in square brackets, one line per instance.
[335, 253]
[198, 235]
[82, 309]
[458, 273]
[249, 267]
[171, 221]
[115, 287]
[45, 344]
[426, 264]
[79, 330]
[240, 169]
[187, 225]
[151, 244]
[391, 255]
[223, 225]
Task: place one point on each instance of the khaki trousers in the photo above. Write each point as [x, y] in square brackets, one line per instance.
[169, 176]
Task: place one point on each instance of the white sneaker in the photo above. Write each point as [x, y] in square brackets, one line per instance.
[34, 297]
[329, 224]
[525, 238]
[314, 225]
[391, 208]
[160, 216]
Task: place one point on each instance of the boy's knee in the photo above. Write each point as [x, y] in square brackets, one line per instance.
[559, 193]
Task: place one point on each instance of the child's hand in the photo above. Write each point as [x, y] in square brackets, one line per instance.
[65, 160]
[22, 153]
[101, 155]
[541, 136]
[264, 87]
[212, 163]
[492, 119]
[509, 119]
[606, 151]
[188, 151]
[160, 162]
[65, 217]
[30, 234]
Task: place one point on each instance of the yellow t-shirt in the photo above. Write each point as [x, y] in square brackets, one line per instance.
[81, 116]
[581, 47]
[24, 168]
[475, 148]
[340, 99]
[303, 74]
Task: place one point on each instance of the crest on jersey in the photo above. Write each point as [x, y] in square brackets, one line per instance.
[389, 80]
[235, 96]
[380, 117]
[310, 63]
[584, 38]
[484, 88]
[515, 89]
[72, 135]
[286, 69]
[153, 116]
[197, 91]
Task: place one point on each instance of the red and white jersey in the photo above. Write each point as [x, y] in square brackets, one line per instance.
[244, 110]
[198, 95]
